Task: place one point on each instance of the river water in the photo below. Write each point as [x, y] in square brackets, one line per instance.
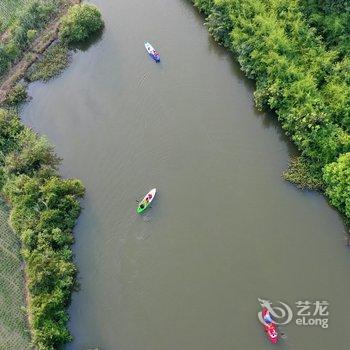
[224, 230]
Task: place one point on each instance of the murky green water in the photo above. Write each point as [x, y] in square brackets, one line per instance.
[224, 230]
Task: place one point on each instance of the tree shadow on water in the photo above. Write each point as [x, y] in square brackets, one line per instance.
[93, 40]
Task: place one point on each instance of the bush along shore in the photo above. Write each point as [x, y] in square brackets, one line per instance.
[305, 81]
[44, 209]
[43, 206]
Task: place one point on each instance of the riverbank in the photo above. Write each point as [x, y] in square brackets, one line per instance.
[34, 51]
[44, 210]
[299, 78]
[44, 207]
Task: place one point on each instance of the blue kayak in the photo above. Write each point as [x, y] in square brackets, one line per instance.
[152, 52]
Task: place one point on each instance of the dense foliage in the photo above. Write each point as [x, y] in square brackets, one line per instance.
[44, 211]
[300, 77]
[332, 19]
[337, 176]
[80, 22]
[23, 30]
[17, 95]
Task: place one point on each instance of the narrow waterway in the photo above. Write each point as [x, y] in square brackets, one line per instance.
[224, 230]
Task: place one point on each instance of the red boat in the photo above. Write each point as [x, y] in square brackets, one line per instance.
[270, 326]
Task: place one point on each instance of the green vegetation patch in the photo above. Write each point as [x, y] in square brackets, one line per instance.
[331, 18]
[298, 75]
[13, 327]
[54, 60]
[80, 23]
[300, 173]
[17, 95]
[337, 176]
[44, 210]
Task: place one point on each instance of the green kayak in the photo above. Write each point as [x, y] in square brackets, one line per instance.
[146, 201]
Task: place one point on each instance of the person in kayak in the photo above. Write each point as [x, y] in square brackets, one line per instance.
[267, 317]
[268, 320]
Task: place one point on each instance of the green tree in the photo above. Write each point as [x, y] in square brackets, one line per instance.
[337, 178]
[80, 22]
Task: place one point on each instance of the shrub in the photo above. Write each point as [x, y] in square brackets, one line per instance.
[17, 95]
[204, 5]
[80, 22]
[12, 51]
[31, 34]
[337, 178]
[33, 152]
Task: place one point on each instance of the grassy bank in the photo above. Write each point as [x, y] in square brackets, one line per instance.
[43, 207]
[299, 77]
[14, 332]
